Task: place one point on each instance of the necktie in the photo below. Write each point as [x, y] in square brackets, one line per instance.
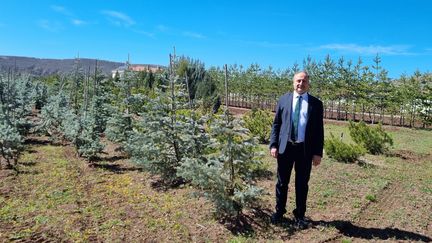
[296, 119]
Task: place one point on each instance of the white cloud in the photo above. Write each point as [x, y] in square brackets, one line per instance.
[162, 28]
[72, 18]
[119, 18]
[148, 34]
[61, 9]
[78, 22]
[193, 35]
[52, 26]
[369, 50]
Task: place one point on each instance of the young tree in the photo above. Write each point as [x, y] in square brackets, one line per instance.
[88, 142]
[11, 142]
[15, 106]
[53, 116]
[226, 175]
[374, 140]
[161, 141]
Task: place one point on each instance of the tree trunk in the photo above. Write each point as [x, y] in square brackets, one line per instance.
[346, 112]
[354, 112]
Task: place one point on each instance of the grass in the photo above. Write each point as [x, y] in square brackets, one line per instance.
[371, 198]
[59, 197]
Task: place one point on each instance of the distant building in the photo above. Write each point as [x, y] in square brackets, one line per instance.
[137, 68]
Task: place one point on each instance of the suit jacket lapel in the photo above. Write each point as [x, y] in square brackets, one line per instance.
[289, 108]
[310, 106]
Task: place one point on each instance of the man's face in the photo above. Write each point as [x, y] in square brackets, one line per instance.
[301, 83]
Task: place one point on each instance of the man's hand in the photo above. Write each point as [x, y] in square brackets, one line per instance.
[273, 152]
[316, 160]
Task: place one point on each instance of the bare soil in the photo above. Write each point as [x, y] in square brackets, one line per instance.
[57, 196]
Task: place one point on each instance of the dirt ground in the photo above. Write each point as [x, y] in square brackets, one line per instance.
[57, 196]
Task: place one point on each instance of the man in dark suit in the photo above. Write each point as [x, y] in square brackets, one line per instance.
[296, 140]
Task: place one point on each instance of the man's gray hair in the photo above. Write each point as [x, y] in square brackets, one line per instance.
[302, 71]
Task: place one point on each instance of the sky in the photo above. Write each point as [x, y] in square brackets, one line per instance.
[268, 33]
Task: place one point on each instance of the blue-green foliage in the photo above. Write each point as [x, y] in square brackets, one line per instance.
[82, 129]
[225, 175]
[88, 141]
[17, 102]
[15, 107]
[101, 112]
[53, 116]
[119, 124]
[162, 139]
[39, 94]
[11, 142]
[119, 127]
[71, 126]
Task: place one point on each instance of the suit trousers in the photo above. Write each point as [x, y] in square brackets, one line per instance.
[294, 156]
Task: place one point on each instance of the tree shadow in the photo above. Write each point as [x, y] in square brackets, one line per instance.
[256, 220]
[408, 155]
[15, 170]
[114, 167]
[350, 230]
[240, 225]
[365, 164]
[36, 141]
[259, 220]
[27, 163]
[263, 174]
[27, 172]
[163, 185]
[109, 159]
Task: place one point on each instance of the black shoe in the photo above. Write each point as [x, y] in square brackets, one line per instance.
[301, 223]
[276, 218]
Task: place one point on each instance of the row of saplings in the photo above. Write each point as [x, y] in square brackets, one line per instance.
[169, 138]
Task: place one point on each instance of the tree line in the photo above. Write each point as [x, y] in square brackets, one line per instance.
[350, 90]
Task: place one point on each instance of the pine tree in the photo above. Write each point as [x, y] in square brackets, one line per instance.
[225, 175]
[71, 125]
[259, 123]
[53, 115]
[119, 124]
[88, 142]
[161, 142]
[15, 106]
[11, 142]
[39, 94]
[374, 139]
[119, 127]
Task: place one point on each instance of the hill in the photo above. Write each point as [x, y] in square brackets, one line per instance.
[45, 66]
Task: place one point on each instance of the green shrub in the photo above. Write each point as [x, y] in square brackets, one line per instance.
[374, 139]
[259, 123]
[341, 151]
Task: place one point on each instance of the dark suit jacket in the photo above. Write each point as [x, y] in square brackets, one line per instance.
[281, 129]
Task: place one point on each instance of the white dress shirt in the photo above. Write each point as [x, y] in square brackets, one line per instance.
[303, 114]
